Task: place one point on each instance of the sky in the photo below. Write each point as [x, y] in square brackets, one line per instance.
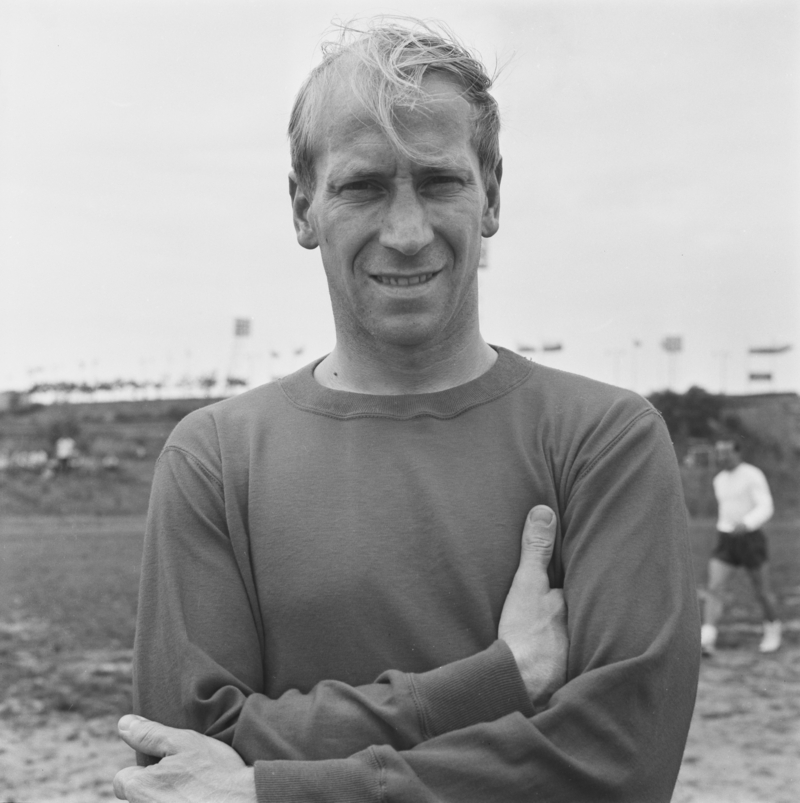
[651, 187]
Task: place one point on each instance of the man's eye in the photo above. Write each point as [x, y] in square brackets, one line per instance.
[443, 183]
[359, 186]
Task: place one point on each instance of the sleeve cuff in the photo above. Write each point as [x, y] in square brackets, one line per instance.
[346, 780]
[480, 688]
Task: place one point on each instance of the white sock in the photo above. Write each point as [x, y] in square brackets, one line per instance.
[708, 635]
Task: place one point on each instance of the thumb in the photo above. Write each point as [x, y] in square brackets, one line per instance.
[538, 538]
[152, 738]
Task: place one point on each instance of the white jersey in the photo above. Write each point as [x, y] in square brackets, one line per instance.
[743, 497]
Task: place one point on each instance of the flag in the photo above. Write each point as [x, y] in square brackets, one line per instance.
[552, 347]
[672, 344]
[525, 349]
[761, 377]
[241, 327]
[769, 349]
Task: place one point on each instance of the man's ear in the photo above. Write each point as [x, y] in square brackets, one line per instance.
[490, 222]
[301, 205]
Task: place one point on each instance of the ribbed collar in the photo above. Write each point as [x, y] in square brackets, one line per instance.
[508, 371]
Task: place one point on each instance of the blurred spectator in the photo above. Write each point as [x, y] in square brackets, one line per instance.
[66, 449]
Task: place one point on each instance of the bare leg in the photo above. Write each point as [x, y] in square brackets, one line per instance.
[763, 589]
[718, 574]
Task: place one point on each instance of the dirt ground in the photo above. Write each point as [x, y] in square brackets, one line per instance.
[64, 760]
[743, 746]
[65, 675]
[744, 742]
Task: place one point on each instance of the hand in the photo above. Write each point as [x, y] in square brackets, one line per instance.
[740, 529]
[534, 619]
[193, 769]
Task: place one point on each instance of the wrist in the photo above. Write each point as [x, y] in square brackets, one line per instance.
[243, 786]
[480, 688]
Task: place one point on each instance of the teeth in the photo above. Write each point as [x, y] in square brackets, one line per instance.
[405, 281]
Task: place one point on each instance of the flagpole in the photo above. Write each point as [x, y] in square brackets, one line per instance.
[673, 345]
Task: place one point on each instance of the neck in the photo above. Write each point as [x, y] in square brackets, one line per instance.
[389, 371]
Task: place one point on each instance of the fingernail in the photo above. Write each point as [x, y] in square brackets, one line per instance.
[541, 514]
[127, 721]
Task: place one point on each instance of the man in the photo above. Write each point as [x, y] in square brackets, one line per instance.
[65, 453]
[744, 507]
[333, 582]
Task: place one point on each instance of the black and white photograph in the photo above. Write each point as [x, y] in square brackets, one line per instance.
[399, 402]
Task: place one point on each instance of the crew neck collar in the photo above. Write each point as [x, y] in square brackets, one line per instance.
[508, 371]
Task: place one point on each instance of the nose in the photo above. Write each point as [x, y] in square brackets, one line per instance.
[405, 227]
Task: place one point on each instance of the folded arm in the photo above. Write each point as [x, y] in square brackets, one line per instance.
[213, 680]
[614, 732]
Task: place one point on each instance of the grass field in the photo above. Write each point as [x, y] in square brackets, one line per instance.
[68, 589]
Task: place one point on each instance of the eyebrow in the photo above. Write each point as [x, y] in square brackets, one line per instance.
[447, 167]
[431, 168]
[355, 174]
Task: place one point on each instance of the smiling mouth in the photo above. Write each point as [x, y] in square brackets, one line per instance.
[406, 281]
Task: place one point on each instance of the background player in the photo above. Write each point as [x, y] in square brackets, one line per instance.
[745, 505]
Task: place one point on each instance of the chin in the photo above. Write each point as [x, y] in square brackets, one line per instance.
[407, 334]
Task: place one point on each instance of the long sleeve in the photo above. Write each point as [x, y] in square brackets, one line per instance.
[300, 540]
[763, 508]
[617, 729]
[743, 497]
[198, 661]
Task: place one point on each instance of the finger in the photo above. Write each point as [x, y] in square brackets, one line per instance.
[153, 738]
[538, 539]
[123, 778]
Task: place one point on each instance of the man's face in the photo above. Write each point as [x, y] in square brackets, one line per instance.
[727, 457]
[400, 240]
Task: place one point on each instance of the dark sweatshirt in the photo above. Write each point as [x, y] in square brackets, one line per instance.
[324, 573]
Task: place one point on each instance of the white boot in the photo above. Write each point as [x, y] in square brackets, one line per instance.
[708, 639]
[772, 637]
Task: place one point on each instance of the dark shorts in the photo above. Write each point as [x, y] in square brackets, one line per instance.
[748, 550]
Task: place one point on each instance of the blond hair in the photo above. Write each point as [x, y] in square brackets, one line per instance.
[384, 65]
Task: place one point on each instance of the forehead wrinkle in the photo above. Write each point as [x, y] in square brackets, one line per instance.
[361, 161]
[342, 114]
